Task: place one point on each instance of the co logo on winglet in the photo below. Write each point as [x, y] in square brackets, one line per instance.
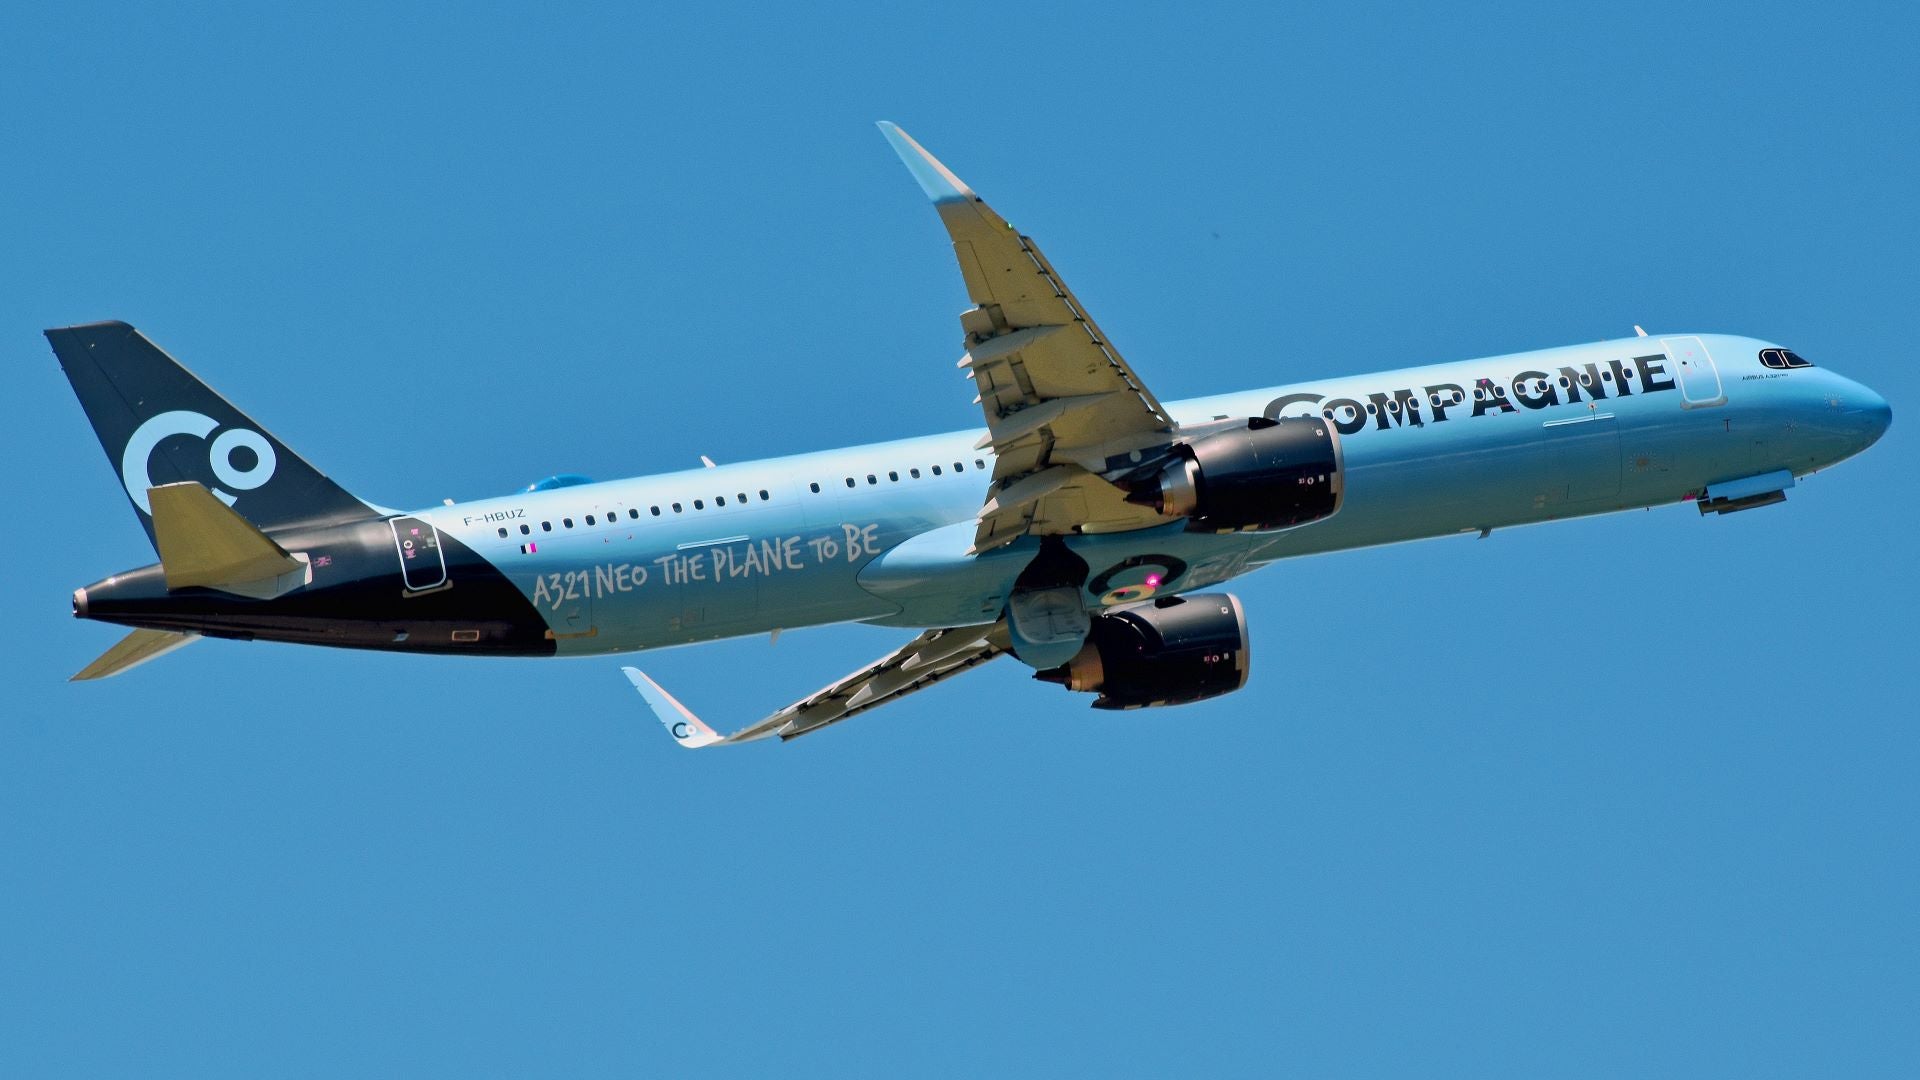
[139, 451]
[679, 729]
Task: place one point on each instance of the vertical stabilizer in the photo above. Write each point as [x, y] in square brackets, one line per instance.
[160, 425]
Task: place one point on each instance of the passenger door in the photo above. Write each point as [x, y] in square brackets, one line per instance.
[422, 565]
[1693, 369]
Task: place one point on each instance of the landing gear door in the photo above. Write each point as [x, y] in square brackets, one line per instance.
[422, 566]
[1693, 368]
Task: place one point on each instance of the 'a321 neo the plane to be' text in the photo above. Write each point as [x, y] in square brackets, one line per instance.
[1080, 531]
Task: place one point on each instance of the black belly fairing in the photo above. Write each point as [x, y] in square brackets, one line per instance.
[358, 599]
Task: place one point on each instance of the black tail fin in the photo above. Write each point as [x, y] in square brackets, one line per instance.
[161, 425]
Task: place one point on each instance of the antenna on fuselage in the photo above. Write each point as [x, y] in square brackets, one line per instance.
[1637, 330]
[708, 462]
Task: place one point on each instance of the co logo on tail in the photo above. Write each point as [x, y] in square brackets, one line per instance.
[139, 451]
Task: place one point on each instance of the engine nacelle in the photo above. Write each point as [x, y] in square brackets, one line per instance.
[1164, 652]
[1256, 475]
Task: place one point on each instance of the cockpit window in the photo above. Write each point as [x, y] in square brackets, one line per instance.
[1783, 358]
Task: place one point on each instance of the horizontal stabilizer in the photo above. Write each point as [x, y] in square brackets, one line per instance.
[204, 542]
[133, 650]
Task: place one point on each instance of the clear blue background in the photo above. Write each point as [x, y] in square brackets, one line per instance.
[1627, 796]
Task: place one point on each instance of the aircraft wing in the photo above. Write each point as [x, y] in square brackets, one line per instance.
[927, 659]
[1059, 399]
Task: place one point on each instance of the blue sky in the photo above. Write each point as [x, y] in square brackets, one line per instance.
[1626, 796]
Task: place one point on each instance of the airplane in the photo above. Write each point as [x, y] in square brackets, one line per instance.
[1082, 531]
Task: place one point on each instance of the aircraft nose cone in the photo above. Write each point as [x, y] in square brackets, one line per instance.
[1875, 416]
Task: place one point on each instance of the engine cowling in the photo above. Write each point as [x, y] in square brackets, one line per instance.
[1255, 475]
[1164, 652]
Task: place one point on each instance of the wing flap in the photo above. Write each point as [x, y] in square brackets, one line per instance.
[930, 658]
[883, 680]
[1054, 390]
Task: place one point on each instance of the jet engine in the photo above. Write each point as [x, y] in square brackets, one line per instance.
[1251, 475]
[1164, 652]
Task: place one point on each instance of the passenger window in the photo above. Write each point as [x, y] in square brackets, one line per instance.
[979, 464]
[676, 508]
[719, 500]
[872, 479]
[957, 467]
[633, 513]
[699, 504]
[503, 534]
[915, 473]
[524, 531]
[568, 522]
[546, 526]
[763, 495]
[894, 476]
[589, 519]
[936, 470]
[655, 509]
